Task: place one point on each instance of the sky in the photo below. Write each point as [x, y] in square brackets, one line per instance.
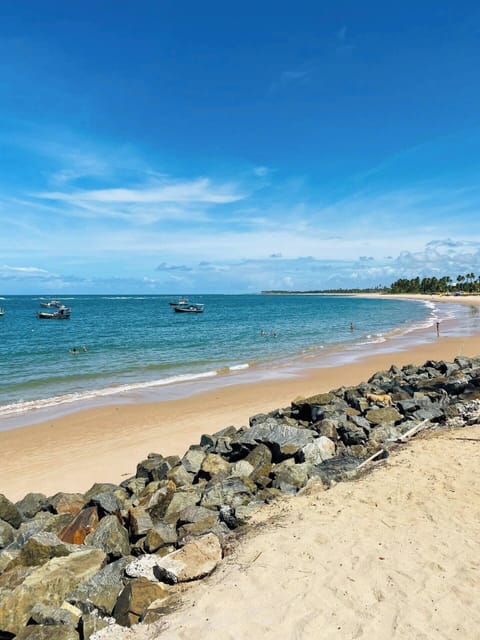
[186, 147]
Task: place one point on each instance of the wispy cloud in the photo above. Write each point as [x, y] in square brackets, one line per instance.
[200, 190]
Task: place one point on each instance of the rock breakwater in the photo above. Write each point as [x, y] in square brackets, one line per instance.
[71, 564]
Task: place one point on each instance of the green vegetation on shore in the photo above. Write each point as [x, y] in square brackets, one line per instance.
[468, 283]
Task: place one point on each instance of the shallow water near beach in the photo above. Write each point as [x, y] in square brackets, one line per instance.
[138, 349]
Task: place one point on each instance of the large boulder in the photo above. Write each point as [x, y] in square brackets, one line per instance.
[81, 526]
[48, 584]
[135, 600]
[283, 441]
[195, 560]
[317, 451]
[101, 591]
[31, 504]
[111, 536]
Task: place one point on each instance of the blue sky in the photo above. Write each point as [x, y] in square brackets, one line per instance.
[187, 147]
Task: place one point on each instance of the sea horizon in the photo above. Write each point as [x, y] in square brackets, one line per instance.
[138, 350]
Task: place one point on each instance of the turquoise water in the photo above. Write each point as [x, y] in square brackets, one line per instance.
[138, 342]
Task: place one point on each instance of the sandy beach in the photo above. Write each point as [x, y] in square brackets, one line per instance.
[391, 555]
[104, 444]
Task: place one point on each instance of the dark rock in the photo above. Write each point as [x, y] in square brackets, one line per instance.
[192, 460]
[111, 537]
[100, 487]
[227, 515]
[232, 491]
[107, 503]
[282, 440]
[9, 512]
[135, 599]
[6, 534]
[31, 504]
[351, 434]
[336, 469]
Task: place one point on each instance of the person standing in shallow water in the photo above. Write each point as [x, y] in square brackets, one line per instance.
[351, 326]
[438, 329]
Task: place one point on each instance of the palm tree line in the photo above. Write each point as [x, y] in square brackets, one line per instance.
[468, 283]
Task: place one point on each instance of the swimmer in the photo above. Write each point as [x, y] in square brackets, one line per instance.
[84, 349]
[74, 351]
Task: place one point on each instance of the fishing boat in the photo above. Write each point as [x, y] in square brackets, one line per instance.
[180, 301]
[52, 304]
[189, 308]
[63, 313]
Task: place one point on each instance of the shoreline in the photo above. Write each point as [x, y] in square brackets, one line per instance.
[105, 444]
[399, 338]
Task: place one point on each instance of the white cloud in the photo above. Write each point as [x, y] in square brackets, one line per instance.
[200, 190]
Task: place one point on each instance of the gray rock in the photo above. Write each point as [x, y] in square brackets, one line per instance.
[100, 592]
[107, 503]
[282, 440]
[6, 534]
[9, 512]
[232, 491]
[31, 504]
[180, 476]
[336, 469]
[140, 521]
[193, 458]
[111, 537]
[289, 478]
[41, 547]
[385, 432]
[182, 499]
[100, 487]
[161, 535]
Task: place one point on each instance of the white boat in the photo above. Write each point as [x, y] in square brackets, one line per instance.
[52, 304]
[2, 312]
[63, 313]
[180, 301]
[189, 308]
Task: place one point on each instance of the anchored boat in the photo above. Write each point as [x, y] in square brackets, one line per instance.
[63, 313]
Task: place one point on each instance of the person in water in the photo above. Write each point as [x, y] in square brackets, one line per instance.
[84, 349]
[74, 351]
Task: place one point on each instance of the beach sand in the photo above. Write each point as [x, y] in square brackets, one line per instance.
[104, 444]
[391, 555]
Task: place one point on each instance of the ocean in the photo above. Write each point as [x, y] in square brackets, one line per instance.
[138, 349]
